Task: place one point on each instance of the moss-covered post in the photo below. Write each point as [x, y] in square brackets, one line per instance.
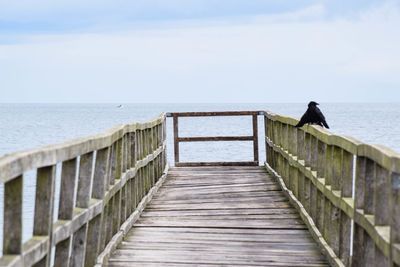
[12, 227]
[44, 207]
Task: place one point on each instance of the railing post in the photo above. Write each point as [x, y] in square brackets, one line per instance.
[119, 159]
[133, 149]
[44, 207]
[66, 208]
[321, 165]
[358, 243]
[12, 227]
[255, 140]
[113, 164]
[176, 141]
[382, 209]
[335, 182]
[300, 144]
[84, 180]
[313, 157]
[78, 246]
[395, 212]
[94, 234]
[346, 189]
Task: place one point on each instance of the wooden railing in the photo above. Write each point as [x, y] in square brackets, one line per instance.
[333, 181]
[178, 139]
[115, 170]
[317, 170]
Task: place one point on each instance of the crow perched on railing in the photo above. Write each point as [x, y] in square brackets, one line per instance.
[313, 115]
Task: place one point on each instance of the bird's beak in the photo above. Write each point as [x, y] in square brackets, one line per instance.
[316, 103]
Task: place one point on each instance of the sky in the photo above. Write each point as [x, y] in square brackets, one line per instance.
[168, 51]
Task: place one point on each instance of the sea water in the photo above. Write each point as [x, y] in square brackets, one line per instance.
[26, 126]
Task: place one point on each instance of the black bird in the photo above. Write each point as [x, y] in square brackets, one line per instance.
[313, 115]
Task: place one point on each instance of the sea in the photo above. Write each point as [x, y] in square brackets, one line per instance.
[27, 126]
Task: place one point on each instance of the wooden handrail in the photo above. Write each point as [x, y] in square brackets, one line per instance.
[178, 139]
[316, 169]
[116, 169]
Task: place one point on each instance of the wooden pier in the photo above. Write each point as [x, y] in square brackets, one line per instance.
[213, 216]
[319, 199]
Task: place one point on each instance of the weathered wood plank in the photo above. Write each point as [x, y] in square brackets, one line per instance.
[212, 113]
[214, 138]
[229, 163]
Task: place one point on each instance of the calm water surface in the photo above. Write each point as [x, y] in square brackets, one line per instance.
[26, 126]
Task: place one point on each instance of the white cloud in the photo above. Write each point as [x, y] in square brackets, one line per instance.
[263, 60]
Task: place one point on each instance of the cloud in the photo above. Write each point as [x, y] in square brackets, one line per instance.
[27, 16]
[288, 58]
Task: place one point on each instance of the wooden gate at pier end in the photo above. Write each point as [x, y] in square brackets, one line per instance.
[253, 138]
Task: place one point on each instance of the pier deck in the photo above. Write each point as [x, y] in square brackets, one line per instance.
[218, 216]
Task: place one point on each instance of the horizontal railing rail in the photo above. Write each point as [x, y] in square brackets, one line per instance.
[103, 187]
[317, 169]
[178, 139]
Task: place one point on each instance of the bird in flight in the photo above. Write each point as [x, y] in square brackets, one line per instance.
[313, 115]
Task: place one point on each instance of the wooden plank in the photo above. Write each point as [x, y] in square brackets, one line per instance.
[229, 196]
[167, 264]
[213, 113]
[248, 233]
[230, 248]
[214, 258]
[215, 138]
[205, 213]
[230, 163]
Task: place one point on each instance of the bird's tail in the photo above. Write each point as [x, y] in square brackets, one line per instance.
[325, 124]
[299, 124]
